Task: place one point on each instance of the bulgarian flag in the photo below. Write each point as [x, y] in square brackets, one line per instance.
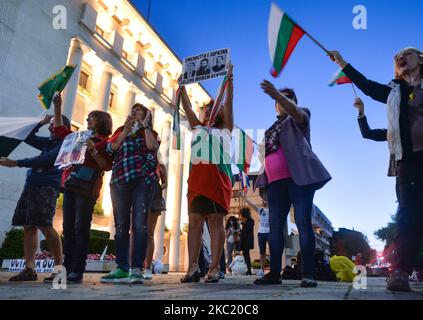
[56, 83]
[245, 150]
[217, 107]
[339, 78]
[13, 130]
[176, 127]
[283, 36]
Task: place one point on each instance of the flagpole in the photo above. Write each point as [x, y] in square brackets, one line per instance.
[355, 92]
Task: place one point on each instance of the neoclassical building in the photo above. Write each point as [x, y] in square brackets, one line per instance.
[120, 60]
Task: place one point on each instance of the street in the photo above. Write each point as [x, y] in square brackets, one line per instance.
[167, 287]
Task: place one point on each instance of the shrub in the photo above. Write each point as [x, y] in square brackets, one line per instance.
[98, 208]
[13, 245]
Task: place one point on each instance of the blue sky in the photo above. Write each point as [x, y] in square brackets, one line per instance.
[360, 196]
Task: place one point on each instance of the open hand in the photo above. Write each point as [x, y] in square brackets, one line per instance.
[8, 163]
[270, 89]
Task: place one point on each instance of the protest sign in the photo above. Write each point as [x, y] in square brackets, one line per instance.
[205, 66]
[73, 149]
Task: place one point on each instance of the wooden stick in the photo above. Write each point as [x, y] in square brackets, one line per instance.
[315, 41]
[355, 92]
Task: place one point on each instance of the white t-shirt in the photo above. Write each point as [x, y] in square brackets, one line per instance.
[264, 221]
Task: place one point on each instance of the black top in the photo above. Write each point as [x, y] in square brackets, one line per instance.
[380, 92]
[247, 235]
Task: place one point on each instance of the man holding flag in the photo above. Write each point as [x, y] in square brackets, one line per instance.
[37, 204]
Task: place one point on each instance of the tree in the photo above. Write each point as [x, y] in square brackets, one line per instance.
[387, 233]
[349, 243]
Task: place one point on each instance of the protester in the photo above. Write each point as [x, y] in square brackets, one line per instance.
[404, 99]
[37, 204]
[233, 232]
[246, 242]
[82, 185]
[210, 182]
[263, 231]
[132, 186]
[291, 175]
[238, 265]
[158, 205]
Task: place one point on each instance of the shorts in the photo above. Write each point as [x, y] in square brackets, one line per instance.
[36, 207]
[263, 238]
[204, 205]
[159, 204]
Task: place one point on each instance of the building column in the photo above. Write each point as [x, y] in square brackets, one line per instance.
[176, 169]
[105, 89]
[129, 100]
[75, 56]
[160, 228]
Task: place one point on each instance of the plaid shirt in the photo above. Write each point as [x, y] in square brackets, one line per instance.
[133, 160]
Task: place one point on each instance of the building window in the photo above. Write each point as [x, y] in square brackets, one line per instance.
[74, 127]
[99, 31]
[112, 100]
[125, 54]
[84, 80]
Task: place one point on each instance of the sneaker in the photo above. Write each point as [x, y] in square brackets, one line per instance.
[116, 276]
[269, 278]
[135, 276]
[26, 274]
[75, 277]
[147, 274]
[221, 275]
[308, 283]
[260, 273]
[398, 281]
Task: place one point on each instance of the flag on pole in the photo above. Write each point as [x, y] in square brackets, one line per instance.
[217, 107]
[339, 78]
[245, 182]
[14, 130]
[176, 128]
[244, 152]
[283, 36]
[56, 83]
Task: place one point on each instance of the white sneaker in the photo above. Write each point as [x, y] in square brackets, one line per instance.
[260, 273]
[147, 274]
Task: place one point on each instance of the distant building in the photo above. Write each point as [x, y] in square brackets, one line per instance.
[323, 230]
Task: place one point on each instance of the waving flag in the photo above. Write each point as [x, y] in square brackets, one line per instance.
[14, 130]
[217, 107]
[245, 150]
[339, 78]
[245, 182]
[283, 36]
[56, 83]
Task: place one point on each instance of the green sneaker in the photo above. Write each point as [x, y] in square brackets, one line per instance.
[116, 276]
[135, 276]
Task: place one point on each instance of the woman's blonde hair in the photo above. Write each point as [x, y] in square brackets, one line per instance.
[419, 52]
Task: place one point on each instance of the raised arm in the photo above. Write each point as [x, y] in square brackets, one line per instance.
[186, 105]
[58, 121]
[288, 105]
[228, 106]
[366, 131]
[117, 143]
[375, 90]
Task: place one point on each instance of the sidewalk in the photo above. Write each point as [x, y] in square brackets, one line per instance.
[165, 287]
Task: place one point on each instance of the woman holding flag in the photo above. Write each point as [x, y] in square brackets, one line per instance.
[210, 179]
[404, 99]
[292, 174]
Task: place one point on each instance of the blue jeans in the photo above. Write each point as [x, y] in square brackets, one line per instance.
[77, 216]
[280, 196]
[131, 203]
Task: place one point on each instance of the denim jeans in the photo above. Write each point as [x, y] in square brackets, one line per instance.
[408, 241]
[230, 246]
[131, 203]
[77, 216]
[281, 195]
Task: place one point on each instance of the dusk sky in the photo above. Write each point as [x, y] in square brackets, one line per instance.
[360, 195]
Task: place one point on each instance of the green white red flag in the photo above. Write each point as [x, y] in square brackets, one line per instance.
[283, 36]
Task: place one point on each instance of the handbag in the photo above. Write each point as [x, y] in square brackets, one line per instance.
[83, 181]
